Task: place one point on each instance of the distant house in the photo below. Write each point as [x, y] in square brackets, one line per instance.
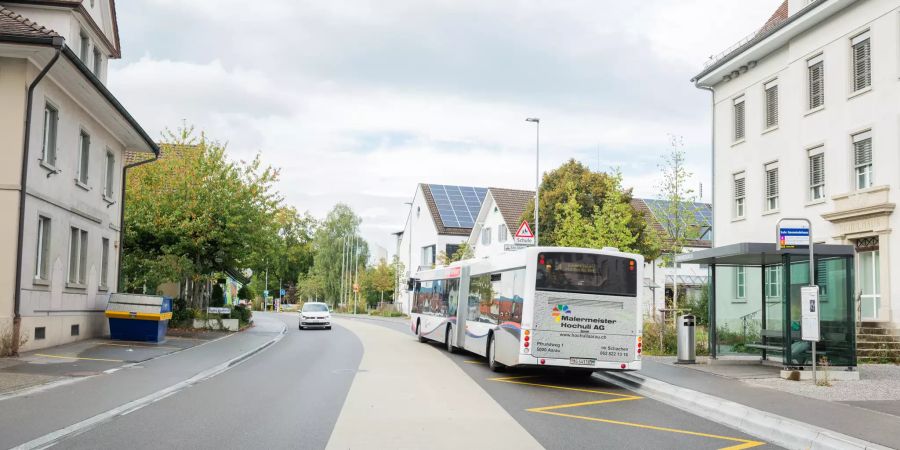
[660, 278]
[64, 137]
[498, 221]
[440, 218]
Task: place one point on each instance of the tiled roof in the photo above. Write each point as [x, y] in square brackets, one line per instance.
[436, 216]
[511, 203]
[165, 151]
[780, 15]
[14, 24]
[78, 5]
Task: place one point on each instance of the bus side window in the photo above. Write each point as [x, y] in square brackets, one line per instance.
[512, 293]
[417, 298]
[453, 296]
[477, 286]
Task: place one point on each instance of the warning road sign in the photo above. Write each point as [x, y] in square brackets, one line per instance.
[524, 234]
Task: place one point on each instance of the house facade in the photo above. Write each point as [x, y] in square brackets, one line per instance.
[440, 218]
[64, 137]
[807, 124]
[498, 221]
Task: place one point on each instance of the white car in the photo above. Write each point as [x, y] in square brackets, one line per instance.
[315, 315]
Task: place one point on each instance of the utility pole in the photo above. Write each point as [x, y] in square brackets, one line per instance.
[356, 282]
[537, 177]
[266, 291]
[343, 265]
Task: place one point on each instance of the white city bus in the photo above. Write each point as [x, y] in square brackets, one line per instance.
[543, 306]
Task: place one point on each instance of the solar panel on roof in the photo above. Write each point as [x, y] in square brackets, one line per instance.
[457, 205]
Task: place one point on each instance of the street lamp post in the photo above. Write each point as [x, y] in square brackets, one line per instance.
[537, 175]
[409, 261]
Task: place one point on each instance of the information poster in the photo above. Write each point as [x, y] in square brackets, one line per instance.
[809, 306]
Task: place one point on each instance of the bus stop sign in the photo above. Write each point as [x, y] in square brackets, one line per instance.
[793, 237]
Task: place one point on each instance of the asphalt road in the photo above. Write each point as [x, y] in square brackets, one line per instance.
[288, 396]
[566, 413]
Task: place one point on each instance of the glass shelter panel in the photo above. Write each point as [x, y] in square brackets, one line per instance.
[738, 309]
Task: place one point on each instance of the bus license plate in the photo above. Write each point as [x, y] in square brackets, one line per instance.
[582, 361]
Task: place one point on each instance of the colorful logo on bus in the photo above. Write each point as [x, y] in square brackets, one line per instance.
[559, 310]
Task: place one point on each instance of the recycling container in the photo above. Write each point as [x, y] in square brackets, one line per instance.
[686, 325]
[135, 317]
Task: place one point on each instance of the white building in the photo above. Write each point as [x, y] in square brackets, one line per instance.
[807, 123]
[64, 137]
[498, 221]
[440, 218]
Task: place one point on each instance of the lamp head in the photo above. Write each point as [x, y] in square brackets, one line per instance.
[533, 119]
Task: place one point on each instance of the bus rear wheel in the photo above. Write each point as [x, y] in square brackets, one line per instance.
[492, 355]
[419, 332]
[448, 339]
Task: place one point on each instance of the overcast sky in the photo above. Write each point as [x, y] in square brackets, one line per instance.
[359, 100]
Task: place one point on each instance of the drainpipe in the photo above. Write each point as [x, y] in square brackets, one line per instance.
[57, 43]
[712, 150]
[122, 214]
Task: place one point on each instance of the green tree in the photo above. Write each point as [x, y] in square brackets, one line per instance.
[382, 278]
[329, 244]
[195, 213]
[465, 251]
[244, 293]
[677, 215]
[310, 287]
[573, 188]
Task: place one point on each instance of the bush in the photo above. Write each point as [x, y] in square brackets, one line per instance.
[217, 299]
[651, 339]
[242, 313]
[245, 293]
[182, 315]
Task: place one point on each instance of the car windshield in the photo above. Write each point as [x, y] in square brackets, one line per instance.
[315, 307]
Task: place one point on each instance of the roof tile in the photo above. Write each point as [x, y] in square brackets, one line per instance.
[15, 24]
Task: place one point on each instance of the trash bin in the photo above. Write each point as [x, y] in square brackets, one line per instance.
[138, 317]
[687, 353]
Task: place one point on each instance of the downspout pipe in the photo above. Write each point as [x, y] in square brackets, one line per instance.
[58, 43]
[122, 213]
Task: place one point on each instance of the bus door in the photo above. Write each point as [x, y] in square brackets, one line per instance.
[462, 308]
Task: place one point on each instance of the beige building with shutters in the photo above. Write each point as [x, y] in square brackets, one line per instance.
[64, 137]
[807, 124]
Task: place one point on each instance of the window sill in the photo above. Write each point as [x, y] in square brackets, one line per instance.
[860, 92]
[71, 285]
[739, 300]
[736, 143]
[82, 185]
[50, 168]
[738, 219]
[103, 288]
[109, 201]
[40, 282]
[770, 212]
[814, 110]
[815, 202]
[770, 129]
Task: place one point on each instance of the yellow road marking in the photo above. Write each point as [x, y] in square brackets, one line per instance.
[742, 443]
[138, 345]
[473, 362]
[76, 357]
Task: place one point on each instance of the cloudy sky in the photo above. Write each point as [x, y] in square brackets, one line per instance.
[359, 100]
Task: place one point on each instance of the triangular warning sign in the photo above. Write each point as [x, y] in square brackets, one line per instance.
[524, 231]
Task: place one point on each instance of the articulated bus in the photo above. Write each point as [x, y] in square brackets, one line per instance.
[575, 308]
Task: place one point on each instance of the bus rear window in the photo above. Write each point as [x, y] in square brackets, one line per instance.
[586, 273]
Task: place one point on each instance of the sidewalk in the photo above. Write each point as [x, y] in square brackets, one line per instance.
[389, 392]
[49, 412]
[864, 424]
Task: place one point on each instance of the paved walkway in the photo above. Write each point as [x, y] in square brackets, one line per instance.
[865, 424]
[404, 385]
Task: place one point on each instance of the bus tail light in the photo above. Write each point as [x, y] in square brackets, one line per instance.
[623, 366]
[543, 361]
[527, 344]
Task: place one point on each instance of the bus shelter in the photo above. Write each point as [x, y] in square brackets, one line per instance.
[754, 303]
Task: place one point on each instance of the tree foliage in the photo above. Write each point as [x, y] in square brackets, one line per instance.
[331, 238]
[465, 251]
[584, 208]
[678, 215]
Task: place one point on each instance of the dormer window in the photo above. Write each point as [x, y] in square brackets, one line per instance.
[84, 47]
[98, 61]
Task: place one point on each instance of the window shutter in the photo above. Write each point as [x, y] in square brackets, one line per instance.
[817, 169]
[862, 64]
[816, 84]
[739, 188]
[771, 106]
[739, 122]
[862, 151]
[772, 183]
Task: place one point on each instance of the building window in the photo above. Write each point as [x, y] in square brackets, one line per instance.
[84, 157]
[739, 122]
[42, 260]
[773, 281]
[740, 283]
[771, 104]
[78, 256]
[40, 333]
[862, 159]
[502, 233]
[84, 47]
[771, 186]
[51, 122]
[816, 174]
[862, 62]
[110, 175]
[98, 61]
[816, 75]
[104, 262]
[428, 256]
[75, 330]
[740, 193]
[486, 236]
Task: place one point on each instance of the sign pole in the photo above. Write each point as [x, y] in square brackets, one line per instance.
[812, 281]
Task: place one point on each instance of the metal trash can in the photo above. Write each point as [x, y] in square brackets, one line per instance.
[138, 317]
[687, 353]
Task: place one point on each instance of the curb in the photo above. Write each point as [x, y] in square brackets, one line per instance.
[776, 429]
[55, 437]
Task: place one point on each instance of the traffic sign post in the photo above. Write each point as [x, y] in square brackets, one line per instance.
[790, 238]
[524, 235]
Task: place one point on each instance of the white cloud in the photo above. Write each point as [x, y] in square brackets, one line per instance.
[357, 101]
